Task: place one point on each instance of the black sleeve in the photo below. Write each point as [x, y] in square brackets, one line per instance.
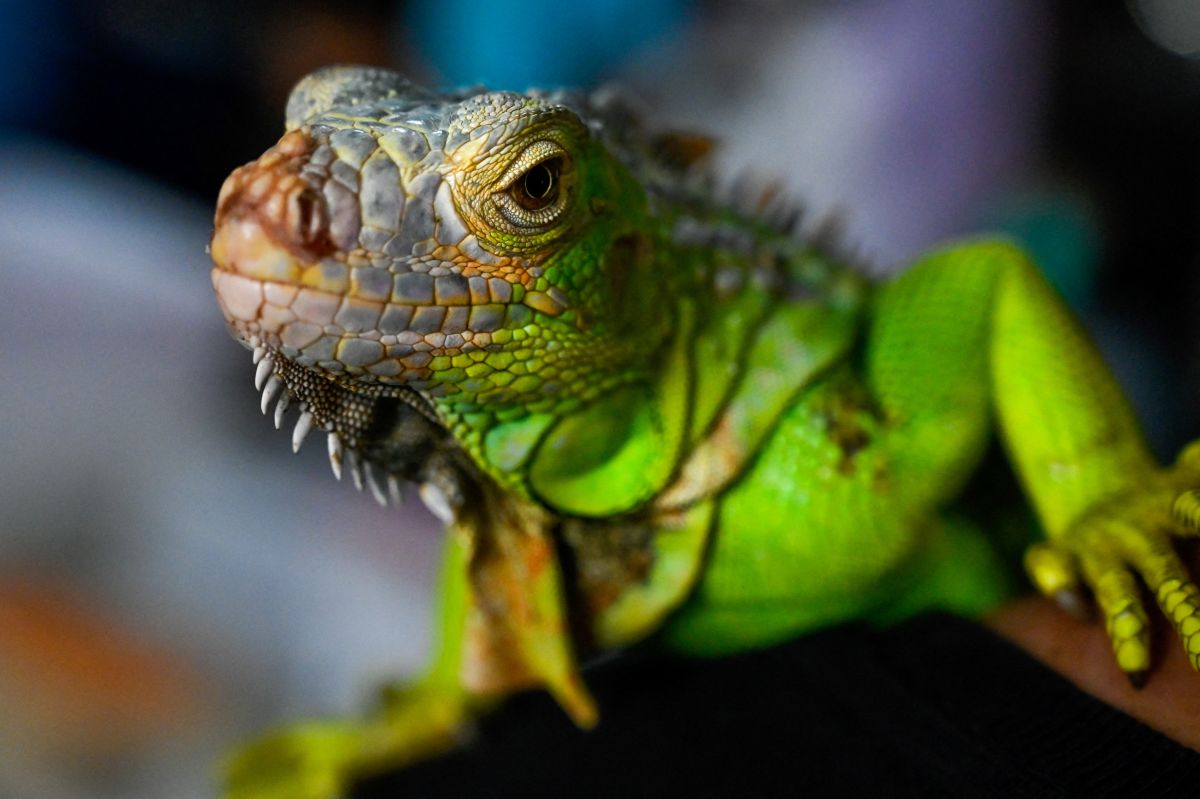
[936, 706]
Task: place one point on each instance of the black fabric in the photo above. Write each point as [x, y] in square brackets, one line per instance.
[937, 706]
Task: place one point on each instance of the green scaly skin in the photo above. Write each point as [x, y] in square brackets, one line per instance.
[542, 311]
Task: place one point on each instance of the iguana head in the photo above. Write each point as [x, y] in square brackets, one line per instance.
[470, 269]
[477, 245]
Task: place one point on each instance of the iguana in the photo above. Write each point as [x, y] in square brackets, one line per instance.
[645, 406]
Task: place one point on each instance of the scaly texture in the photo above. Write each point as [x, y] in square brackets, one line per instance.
[644, 405]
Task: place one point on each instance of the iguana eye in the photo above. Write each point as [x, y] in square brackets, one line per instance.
[538, 187]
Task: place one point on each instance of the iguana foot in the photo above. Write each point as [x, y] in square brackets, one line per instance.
[321, 759]
[1122, 539]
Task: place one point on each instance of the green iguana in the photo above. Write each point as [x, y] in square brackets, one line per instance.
[645, 407]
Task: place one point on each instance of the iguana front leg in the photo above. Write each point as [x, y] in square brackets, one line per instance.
[1104, 502]
[502, 628]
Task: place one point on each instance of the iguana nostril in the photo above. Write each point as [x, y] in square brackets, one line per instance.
[275, 200]
[307, 218]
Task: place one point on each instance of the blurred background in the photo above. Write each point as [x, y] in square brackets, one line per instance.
[172, 579]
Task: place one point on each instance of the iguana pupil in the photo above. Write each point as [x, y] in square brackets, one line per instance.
[539, 186]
